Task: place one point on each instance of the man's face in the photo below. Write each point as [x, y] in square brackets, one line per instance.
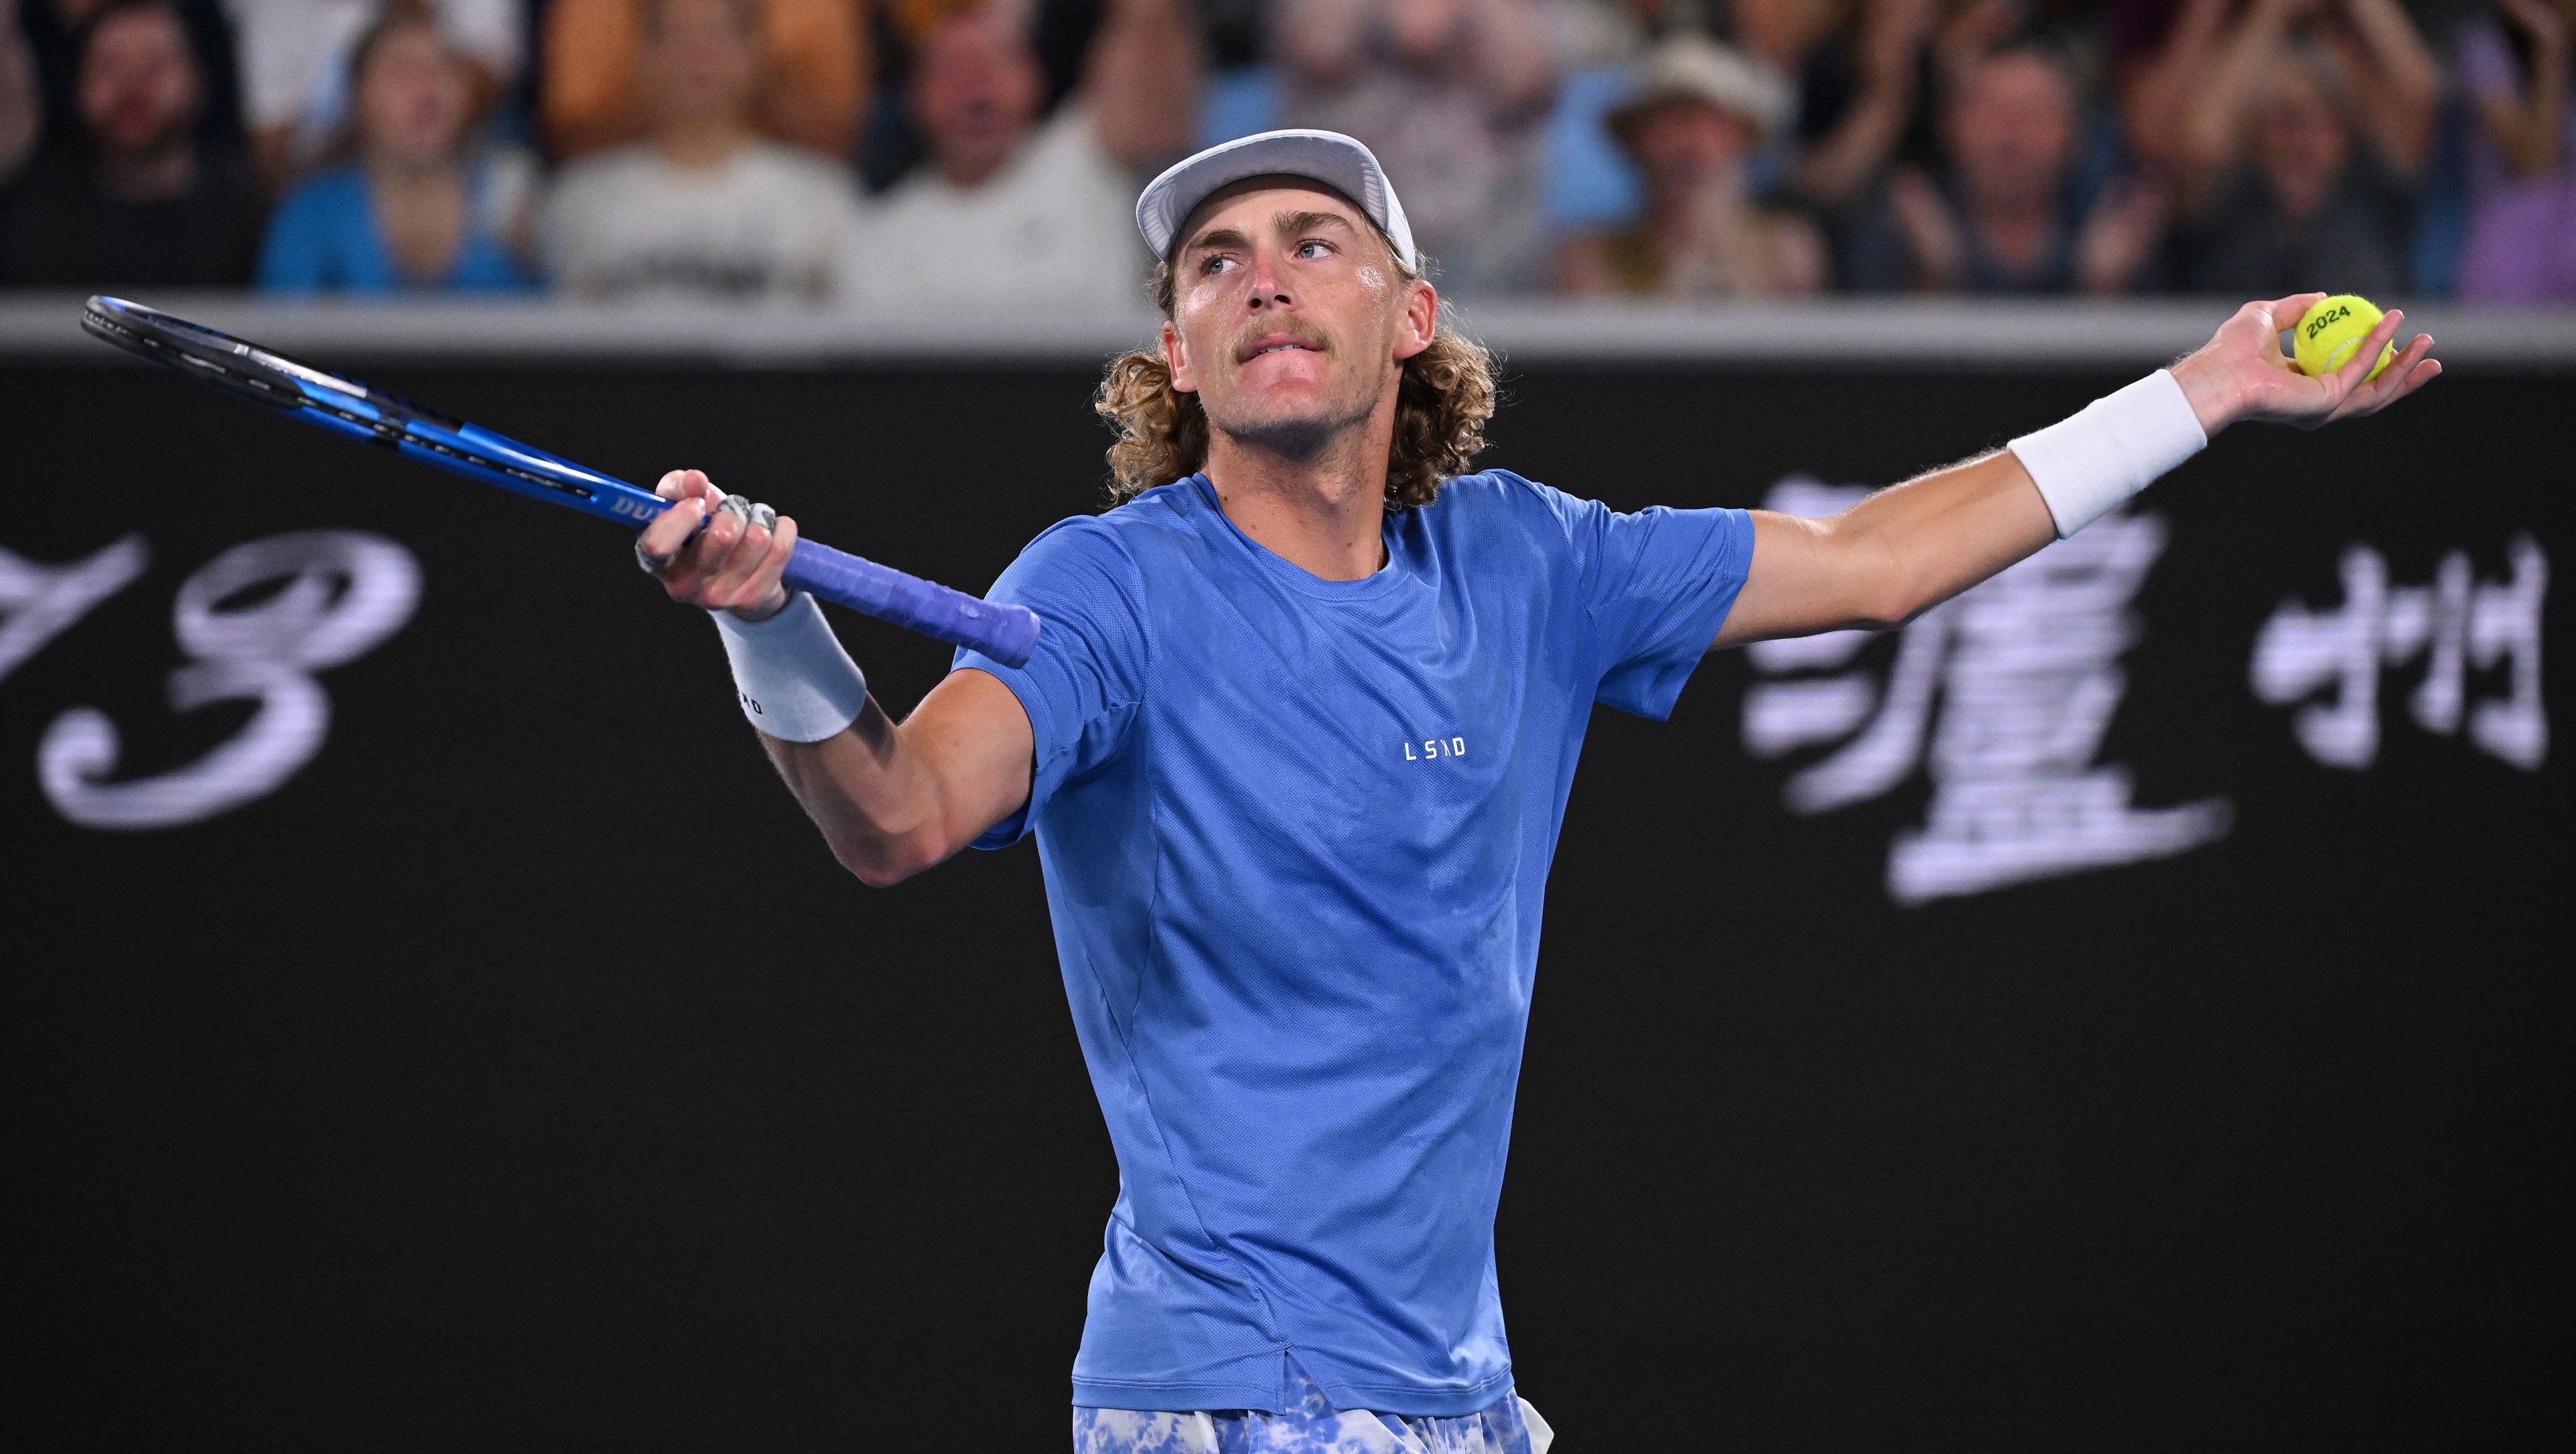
[1290, 318]
[700, 59]
[2013, 130]
[1423, 31]
[975, 92]
[1684, 145]
[138, 82]
[411, 98]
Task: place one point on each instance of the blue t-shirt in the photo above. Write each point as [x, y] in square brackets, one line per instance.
[324, 240]
[1296, 834]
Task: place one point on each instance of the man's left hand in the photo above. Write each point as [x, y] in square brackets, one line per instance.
[2242, 373]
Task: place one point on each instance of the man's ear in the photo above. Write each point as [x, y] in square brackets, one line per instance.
[1419, 321]
[1176, 358]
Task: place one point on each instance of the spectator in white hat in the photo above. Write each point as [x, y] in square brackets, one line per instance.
[1698, 111]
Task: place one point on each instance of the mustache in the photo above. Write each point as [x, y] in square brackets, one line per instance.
[1311, 337]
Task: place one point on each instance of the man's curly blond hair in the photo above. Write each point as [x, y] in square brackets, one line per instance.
[1441, 407]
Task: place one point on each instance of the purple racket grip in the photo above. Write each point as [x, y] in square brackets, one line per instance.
[1003, 632]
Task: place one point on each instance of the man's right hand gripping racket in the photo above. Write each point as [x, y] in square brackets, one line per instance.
[1005, 633]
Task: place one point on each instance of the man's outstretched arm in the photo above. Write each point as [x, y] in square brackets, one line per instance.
[891, 798]
[1905, 550]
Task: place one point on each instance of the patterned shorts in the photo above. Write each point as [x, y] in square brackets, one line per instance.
[1508, 1426]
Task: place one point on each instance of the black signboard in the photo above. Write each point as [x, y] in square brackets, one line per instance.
[2126, 1008]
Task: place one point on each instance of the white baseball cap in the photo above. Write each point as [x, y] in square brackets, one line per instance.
[1689, 66]
[1328, 157]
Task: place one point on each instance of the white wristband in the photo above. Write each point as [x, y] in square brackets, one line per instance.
[795, 681]
[2111, 449]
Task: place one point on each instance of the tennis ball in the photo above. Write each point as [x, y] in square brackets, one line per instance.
[2331, 329]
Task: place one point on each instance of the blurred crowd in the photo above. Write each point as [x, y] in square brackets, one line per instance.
[988, 152]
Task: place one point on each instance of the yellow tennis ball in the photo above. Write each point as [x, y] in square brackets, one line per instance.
[2331, 329]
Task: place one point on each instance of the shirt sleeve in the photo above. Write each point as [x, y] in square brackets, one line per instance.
[1082, 684]
[1657, 585]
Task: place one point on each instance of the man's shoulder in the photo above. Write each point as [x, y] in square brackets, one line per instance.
[779, 164]
[1138, 540]
[918, 197]
[1061, 157]
[1153, 520]
[602, 171]
[1488, 496]
[1500, 486]
[1507, 523]
[1069, 141]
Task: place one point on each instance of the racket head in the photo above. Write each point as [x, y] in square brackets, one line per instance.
[234, 365]
[344, 406]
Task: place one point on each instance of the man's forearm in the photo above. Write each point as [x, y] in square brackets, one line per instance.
[1891, 557]
[872, 802]
[891, 800]
[1905, 550]
[894, 799]
[1935, 536]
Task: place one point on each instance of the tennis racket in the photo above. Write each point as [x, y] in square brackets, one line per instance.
[1005, 633]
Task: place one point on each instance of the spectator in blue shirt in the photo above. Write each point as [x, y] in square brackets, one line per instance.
[416, 207]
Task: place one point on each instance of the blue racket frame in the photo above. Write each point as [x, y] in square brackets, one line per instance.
[1006, 633]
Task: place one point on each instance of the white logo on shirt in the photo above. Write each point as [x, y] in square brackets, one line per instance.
[1435, 747]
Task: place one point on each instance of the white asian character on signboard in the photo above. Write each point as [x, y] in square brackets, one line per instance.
[2456, 623]
[2002, 696]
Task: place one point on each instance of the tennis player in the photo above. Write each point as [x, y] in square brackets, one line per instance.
[1295, 744]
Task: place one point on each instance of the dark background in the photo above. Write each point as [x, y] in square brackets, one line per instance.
[524, 1073]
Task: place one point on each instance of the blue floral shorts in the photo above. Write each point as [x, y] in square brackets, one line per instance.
[1508, 1426]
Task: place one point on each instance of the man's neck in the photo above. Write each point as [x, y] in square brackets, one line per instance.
[1324, 515]
[967, 168]
[701, 144]
[154, 175]
[2301, 195]
[412, 174]
[1687, 211]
